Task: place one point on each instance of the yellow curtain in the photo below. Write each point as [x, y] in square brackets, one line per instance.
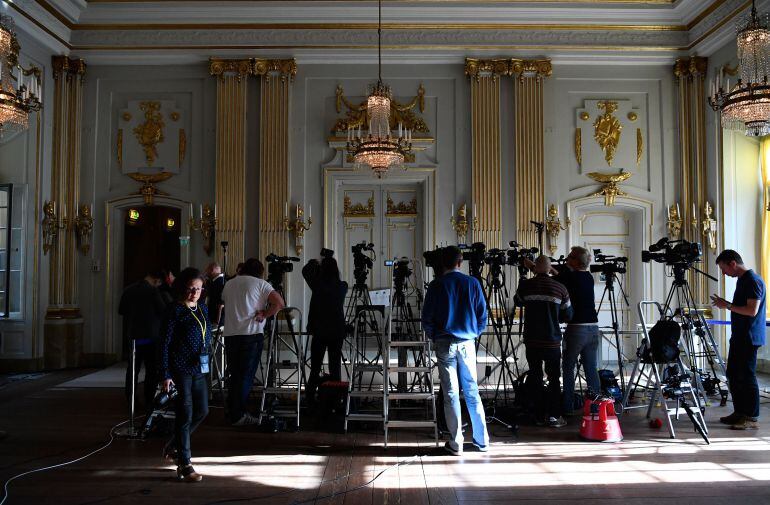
[765, 163]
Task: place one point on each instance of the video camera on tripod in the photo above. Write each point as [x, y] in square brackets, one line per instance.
[277, 266]
[362, 262]
[673, 252]
[474, 255]
[607, 264]
[517, 254]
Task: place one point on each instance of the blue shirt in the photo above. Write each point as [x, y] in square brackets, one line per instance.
[455, 307]
[747, 328]
[186, 335]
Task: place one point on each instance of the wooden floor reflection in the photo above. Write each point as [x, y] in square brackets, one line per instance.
[543, 466]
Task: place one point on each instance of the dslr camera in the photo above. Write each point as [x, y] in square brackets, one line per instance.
[608, 265]
[673, 252]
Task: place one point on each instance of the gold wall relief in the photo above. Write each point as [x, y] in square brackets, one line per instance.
[359, 209]
[639, 146]
[579, 146]
[400, 113]
[182, 146]
[150, 133]
[608, 130]
[148, 189]
[585, 116]
[610, 190]
[283, 68]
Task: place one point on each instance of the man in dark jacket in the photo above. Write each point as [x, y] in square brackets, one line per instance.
[142, 308]
[546, 304]
[215, 283]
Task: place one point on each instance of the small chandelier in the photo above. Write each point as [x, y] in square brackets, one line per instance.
[746, 105]
[20, 88]
[377, 148]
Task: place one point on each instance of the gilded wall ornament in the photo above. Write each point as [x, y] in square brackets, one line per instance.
[554, 227]
[150, 133]
[174, 116]
[639, 146]
[148, 189]
[674, 222]
[356, 115]
[126, 116]
[50, 225]
[401, 208]
[358, 209]
[709, 225]
[119, 148]
[84, 227]
[579, 146]
[632, 116]
[585, 116]
[610, 189]
[607, 130]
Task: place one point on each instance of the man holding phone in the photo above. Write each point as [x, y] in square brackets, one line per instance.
[747, 321]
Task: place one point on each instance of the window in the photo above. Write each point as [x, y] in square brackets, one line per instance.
[10, 254]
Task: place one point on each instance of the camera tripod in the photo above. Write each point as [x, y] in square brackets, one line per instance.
[404, 325]
[360, 297]
[609, 291]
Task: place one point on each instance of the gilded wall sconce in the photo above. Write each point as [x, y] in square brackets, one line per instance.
[206, 224]
[674, 222]
[709, 225]
[554, 228]
[50, 225]
[460, 224]
[84, 226]
[298, 226]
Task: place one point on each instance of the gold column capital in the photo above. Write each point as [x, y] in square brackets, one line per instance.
[530, 68]
[474, 67]
[286, 68]
[218, 67]
[694, 66]
[63, 65]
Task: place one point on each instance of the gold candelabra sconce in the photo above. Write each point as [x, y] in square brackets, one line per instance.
[460, 223]
[674, 222]
[554, 227]
[299, 226]
[709, 226]
[206, 224]
[84, 227]
[50, 225]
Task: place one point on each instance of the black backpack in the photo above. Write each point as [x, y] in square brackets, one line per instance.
[664, 341]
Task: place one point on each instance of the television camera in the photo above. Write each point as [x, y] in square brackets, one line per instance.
[362, 262]
[607, 264]
[475, 255]
[673, 252]
[277, 266]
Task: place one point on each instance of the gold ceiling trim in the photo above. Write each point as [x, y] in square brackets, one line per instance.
[286, 68]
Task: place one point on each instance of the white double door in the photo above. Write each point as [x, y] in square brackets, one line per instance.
[386, 215]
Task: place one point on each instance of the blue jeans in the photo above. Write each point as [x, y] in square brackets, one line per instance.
[580, 341]
[742, 377]
[243, 355]
[457, 368]
[192, 406]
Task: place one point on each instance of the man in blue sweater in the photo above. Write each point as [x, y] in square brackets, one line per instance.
[453, 316]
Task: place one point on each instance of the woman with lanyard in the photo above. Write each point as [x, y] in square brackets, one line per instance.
[184, 363]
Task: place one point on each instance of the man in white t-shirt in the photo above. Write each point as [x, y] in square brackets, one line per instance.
[249, 301]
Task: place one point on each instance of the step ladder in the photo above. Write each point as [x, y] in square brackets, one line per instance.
[284, 369]
[366, 397]
[654, 375]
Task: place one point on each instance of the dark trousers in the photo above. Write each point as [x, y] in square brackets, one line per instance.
[145, 354]
[547, 400]
[192, 406]
[243, 354]
[742, 377]
[318, 347]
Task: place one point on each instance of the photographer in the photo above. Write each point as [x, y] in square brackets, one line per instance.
[747, 320]
[326, 318]
[547, 303]
[249, 301]
[184, 363]
[454, 315]
[581, 338]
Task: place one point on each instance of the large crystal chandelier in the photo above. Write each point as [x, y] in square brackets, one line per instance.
[20, 88]
[376, 147]
[745, 106]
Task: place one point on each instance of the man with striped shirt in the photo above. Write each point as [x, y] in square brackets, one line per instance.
[546, 304]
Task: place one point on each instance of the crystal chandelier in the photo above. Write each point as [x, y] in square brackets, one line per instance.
[377, 147]
[20, 88]
[746, 105]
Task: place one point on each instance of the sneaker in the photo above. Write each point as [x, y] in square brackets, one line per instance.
[454, 452]
[481, 448]
[745, 423]
[556, 422]
[246, 420]
[188, 474]
[731, 419]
